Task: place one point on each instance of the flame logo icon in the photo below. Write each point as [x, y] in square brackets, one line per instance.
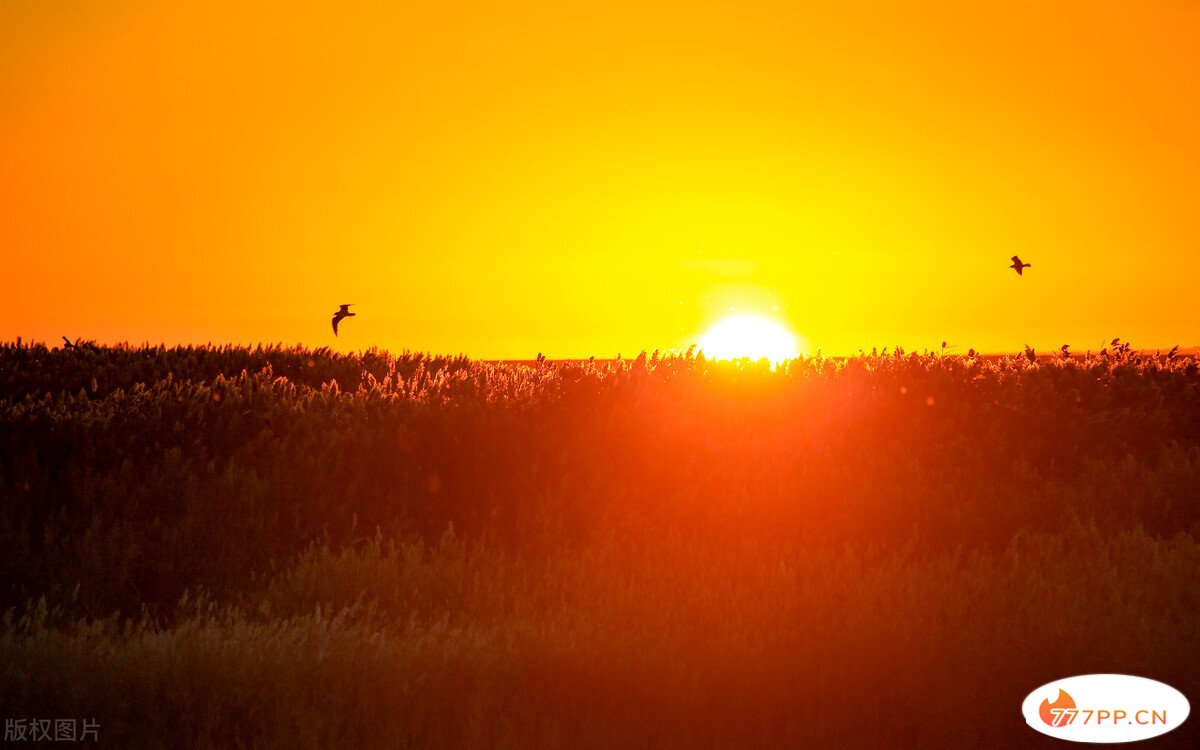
[1064, 700]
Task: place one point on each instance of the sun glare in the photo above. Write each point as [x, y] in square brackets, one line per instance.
[750, 336]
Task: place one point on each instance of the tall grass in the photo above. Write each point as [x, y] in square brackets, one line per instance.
[882, 551]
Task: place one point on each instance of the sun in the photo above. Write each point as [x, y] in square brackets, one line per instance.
[752, 336]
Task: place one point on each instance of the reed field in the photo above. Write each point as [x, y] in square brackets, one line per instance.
[285, 547]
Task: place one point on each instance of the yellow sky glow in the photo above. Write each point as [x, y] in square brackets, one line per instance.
[580, 179]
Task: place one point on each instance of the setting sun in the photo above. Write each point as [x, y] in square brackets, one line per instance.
[750, 336]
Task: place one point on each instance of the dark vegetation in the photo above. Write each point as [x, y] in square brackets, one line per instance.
[289, 547]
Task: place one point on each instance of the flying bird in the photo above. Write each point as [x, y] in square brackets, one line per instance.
[343, 312]
[1018, 266]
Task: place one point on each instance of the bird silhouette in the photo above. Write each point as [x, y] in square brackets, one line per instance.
[67, 343]
[1018, 266]
[342, 313]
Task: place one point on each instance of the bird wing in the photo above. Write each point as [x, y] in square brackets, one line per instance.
[1020, 269]
[1017, 259]
[336, 318]
[345, 308]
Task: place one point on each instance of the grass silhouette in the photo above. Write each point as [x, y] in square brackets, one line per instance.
[288, 547]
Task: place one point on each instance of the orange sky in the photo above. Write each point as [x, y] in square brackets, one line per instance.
[593, 178]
